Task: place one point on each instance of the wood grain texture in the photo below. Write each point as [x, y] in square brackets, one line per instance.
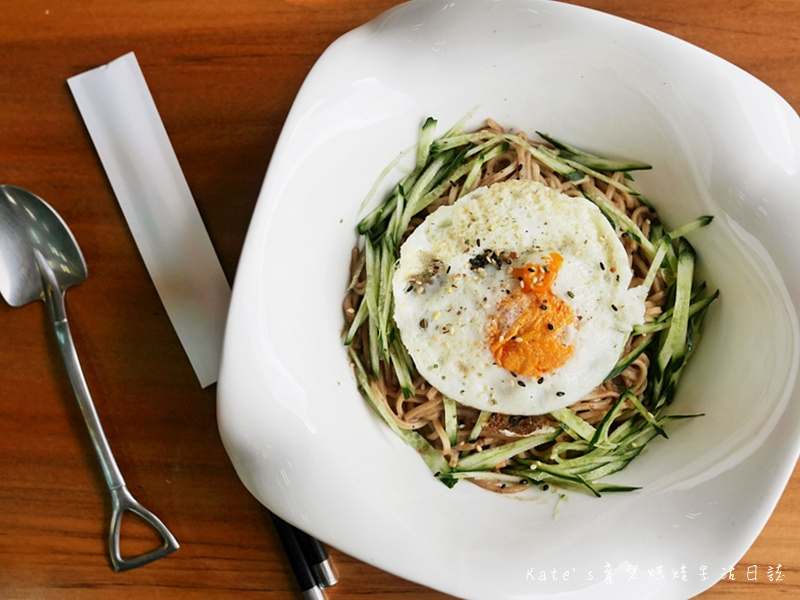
[224, 75]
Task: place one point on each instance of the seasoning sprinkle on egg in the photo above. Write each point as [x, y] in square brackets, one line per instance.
[540, 322]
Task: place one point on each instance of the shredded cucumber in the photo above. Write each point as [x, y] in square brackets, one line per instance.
[574, 425]
[450, 420]
[591, 161]
[488, 459]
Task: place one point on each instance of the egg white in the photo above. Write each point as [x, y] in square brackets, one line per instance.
[443, 303]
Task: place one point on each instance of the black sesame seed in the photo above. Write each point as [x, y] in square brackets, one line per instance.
[559, 394]
[571, 294]
[520, 383]
[543, 307]
[550, 326]
[478, 262]
[478, 242]
[602, 267]
[614, 308]
[540, 380]
[513, 374]
[545, 487]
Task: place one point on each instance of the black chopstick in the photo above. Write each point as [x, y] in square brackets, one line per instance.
[317, 557]
[305, 552]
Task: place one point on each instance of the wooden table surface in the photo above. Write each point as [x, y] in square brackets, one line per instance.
[224, 75]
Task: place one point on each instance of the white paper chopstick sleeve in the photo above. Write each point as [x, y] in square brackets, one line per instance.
[141, 165]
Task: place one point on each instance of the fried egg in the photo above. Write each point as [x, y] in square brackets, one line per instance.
[516, 298]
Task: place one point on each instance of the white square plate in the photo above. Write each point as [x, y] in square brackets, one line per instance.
[305, 443]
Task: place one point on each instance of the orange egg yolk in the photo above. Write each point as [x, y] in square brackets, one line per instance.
[526, 332]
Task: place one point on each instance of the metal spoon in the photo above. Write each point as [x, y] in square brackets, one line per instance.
[40, 260]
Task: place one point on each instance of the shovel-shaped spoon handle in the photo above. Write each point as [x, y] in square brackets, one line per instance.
[122, 500]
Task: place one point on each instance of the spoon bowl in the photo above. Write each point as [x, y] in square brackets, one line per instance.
[39, 260]
[28, 222]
